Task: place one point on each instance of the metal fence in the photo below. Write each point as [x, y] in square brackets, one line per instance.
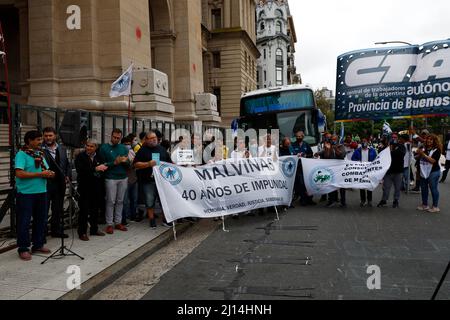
[100, 126]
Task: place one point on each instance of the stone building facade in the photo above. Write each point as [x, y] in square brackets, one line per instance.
[276, 39]
[182, 50]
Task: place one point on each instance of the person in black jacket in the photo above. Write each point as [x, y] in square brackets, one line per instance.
[90, 181]
[447, 158]
[394, 176]
[56, 157]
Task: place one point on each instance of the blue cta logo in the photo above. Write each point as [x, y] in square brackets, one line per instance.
[289, 167]
[171, 174]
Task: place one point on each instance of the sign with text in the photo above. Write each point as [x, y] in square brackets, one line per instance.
[325, 176]
[226, 187]
[401, 82]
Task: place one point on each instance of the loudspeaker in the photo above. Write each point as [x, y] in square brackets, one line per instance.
[74, 128]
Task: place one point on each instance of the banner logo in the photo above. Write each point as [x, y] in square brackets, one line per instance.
[289, 167]
[321, 177]
[171, 174]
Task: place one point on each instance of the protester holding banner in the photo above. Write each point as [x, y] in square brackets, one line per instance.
[150, 155]
[394, 175]
[447, 158]
[430, 171]
[365, 154]
[303, 150]
[334, 150]
[268, 150]
[286, 148]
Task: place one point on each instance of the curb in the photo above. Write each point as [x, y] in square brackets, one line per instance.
[106, 277]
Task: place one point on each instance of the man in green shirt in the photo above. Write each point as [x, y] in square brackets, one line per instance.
[31, 172]
[115, 156]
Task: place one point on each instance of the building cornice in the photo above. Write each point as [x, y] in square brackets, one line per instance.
[235, 33]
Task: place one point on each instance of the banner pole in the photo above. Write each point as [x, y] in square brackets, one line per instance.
[174, 230]
[223, 225]
[278, 216]
[409, 155]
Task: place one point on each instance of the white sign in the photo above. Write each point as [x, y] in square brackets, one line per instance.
[225, 188]
[185, 157]
[325, 176]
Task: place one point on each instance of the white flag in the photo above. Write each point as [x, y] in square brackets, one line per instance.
[122, 86]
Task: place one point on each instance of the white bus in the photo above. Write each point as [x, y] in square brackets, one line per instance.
[288, 109]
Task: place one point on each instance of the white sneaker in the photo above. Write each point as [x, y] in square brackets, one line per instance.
[434, 210]
[423, 208]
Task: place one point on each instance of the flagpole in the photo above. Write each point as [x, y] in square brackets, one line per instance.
[130, 130]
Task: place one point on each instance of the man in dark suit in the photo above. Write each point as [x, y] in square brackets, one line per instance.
[90, 182]
[56, 157]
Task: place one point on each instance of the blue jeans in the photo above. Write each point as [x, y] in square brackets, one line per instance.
[432, 182]
[130, 202]
[31, 206]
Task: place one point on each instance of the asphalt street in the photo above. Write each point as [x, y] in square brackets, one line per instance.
[317, 253]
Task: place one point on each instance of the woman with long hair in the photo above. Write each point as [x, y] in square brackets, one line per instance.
[430, 172]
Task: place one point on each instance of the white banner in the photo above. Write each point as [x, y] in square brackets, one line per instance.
[325, 176]
[225, 188]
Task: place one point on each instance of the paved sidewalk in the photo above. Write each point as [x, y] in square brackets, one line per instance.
[21, 280]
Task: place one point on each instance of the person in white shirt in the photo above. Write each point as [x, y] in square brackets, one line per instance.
[447, 158]
[241, 152]
[407, 161]
[268, 150]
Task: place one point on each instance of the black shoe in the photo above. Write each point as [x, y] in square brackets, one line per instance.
[382, 204]
[59, 235]
[362, 204]
[396, 204]
[153, 223]
[343, 205]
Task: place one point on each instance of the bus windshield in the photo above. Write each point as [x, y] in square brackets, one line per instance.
[289, 123]
[277, 102]
[289, 111]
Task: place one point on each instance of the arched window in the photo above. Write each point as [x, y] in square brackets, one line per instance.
[279, 13]
[279, 57]
[279, 27]
[279, 67]
[262, 15]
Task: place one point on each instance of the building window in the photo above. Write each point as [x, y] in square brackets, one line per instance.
[257, 76]
[217, 93]
[279, 75]
[216, 18]
[265, 76]
[279, 57]
[279, 13]
[216, 60]
[262, 26]
[265, 55]
[279, 27]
